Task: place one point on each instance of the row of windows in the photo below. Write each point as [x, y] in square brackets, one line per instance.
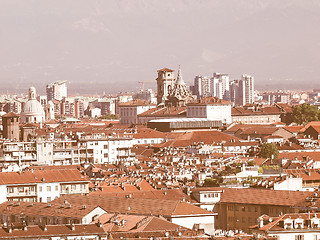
[241, 220]
[242, 208]
[211, 195]
[21, 189]
[48, 188]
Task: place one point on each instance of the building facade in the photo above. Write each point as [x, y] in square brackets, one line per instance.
[57, 90]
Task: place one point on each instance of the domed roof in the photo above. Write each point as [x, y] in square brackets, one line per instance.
[32, 107]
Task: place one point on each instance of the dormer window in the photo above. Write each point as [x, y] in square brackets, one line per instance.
[288, 226]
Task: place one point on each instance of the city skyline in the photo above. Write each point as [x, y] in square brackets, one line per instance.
[97, 44]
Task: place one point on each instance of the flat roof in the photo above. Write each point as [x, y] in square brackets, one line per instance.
[183, 120]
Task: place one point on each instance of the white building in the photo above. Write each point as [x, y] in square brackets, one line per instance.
[95, 112]
[32, 111]
[129, 111]
[109, 150]
[57, 90]
[50, 111]
[246, 90]
[202, 86]
[146, 95]
[295, 226]
[210, 108]
[207, 197]
[219, 86]
[41, 185]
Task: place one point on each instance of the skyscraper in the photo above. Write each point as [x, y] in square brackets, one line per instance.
[219, 86]
[246, 87]
[201, 86]
[57, 90]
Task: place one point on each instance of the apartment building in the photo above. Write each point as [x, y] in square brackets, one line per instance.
[210, 108]
[41, 185]
[129, 111]
[298, 226]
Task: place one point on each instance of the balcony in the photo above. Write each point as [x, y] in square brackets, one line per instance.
[22, 194]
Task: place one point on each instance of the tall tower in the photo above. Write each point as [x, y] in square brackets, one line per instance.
[246, 88]
[201, 86]
[10, 125]
[220, 86]
[165, 82]
[57, 90]
[49, 111]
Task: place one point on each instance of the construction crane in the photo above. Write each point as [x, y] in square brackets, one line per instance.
[143, 82]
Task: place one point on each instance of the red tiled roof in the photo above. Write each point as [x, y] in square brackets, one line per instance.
[241, 111]
[45, 209]
[264, 197]
[172, 194]
[165, 70]
[53, 231]
[144, 132]
[259, 130]
[300, 155]
[305, 174]
[235, 127]
[135, 205]
[210, 100]
[293, 129]
[10, 114]
[136, 102]
[207, 137]
[165, 112]
[38, 176]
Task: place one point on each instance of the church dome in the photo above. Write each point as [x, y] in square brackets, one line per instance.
[32, 110]
[32, 107]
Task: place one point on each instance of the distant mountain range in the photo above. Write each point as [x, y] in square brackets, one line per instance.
[111, 45]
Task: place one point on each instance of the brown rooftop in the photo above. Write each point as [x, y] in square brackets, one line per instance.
[135, 205]
[264, 197]
[165, 70]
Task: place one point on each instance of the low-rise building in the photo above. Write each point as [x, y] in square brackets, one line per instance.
[41, 185]
[210, 108]
[129, 111]
[298, 226]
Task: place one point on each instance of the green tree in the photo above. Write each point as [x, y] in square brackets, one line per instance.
[269, 150]
[305, 113]
[110, 116]
[211, 182]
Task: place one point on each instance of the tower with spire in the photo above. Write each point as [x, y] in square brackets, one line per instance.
[180, 94]
[171, 91]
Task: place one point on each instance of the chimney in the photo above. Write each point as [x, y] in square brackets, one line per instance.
[260, 222]
[99, 224]
[71, 227]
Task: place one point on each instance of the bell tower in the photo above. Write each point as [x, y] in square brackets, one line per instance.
[10, 125]
[165, 82]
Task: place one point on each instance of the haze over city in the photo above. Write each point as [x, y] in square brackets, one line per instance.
[108, 46]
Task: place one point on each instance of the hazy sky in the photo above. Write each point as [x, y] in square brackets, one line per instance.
[110, 45]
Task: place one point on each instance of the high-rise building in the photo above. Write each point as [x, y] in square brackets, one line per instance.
[219, 86]
[234, 91]
[201, 86]
[57, 90]
[246, 90]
